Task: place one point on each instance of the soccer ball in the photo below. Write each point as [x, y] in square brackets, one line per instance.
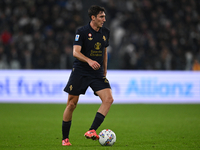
[107, 137]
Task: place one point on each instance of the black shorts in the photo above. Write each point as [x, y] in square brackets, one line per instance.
[78, 84]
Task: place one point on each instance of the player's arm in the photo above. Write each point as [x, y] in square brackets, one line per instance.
[105, 61]
[77, 53]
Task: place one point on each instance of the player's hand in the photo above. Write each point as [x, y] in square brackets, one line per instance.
[95, 65]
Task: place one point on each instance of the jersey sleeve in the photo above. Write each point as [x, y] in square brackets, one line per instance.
[108, 38]
[78, 38]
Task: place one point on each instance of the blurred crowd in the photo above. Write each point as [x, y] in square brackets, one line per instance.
[145, 34]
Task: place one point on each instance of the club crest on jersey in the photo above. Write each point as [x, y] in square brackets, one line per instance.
[77, 37]
[104, 38]
[105, 80]
[70, 87]
[90, 36]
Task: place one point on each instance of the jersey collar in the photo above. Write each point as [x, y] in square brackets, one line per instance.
[100, 30]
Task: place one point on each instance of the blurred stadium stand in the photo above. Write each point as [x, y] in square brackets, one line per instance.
[145, 34]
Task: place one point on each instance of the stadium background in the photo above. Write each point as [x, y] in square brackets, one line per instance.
[145, 34]
[161, 37]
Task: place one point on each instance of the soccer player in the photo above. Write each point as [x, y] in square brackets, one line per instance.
[89, 69]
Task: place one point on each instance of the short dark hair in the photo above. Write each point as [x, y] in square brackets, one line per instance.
[94, 10]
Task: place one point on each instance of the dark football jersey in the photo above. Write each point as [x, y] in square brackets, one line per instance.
[93, 44]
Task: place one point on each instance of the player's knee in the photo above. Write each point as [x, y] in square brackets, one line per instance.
[109, 100]
[71, 105]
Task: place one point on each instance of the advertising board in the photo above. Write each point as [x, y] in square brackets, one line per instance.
[46, 86]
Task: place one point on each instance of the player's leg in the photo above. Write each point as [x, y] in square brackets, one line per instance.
[67, 117]
[107, 100]
[71, 105]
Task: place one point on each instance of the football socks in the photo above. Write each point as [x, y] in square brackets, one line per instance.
[99, 118]
[65, 129]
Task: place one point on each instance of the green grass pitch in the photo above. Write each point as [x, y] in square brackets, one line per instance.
[137, 127]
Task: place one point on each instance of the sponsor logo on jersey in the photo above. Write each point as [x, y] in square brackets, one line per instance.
[97, 46]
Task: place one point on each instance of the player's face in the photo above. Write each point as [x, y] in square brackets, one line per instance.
[100, 19]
